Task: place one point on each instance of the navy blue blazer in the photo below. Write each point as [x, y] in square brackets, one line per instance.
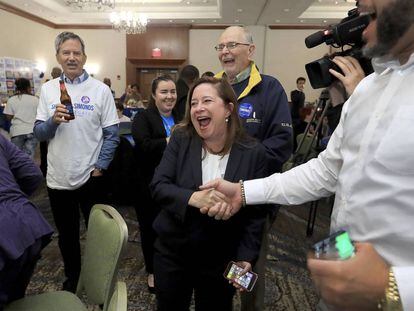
[186, 233]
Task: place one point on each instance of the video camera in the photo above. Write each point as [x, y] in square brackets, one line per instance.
[347, 32]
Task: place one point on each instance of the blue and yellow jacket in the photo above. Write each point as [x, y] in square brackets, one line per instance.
[264, 112]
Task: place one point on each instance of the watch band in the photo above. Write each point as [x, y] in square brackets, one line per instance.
[391, 300]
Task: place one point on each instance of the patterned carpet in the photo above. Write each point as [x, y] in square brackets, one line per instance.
[289, 286]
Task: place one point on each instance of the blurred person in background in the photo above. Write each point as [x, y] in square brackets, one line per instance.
[108, 82]
[119, 110]
[21, 111]
[188, 75]
[208, 74]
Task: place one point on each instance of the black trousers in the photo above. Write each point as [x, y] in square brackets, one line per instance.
[16, 274]
[176, 280]
[147, 210]
[65, 206]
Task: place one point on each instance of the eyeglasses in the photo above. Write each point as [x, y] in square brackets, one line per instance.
[229, 45]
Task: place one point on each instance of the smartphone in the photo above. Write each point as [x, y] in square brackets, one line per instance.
[233, 273]
[338, 246]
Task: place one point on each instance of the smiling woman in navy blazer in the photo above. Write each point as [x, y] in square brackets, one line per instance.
[151, 130]
[192, 250]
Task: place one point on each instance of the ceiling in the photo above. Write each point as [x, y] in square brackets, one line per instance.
[196, 12]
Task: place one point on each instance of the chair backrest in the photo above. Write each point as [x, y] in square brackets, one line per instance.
[105, 243]
[119, 298]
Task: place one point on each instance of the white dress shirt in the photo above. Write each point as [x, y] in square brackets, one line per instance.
[369, 165]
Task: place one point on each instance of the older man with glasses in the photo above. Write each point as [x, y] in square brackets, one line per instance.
[265, 115]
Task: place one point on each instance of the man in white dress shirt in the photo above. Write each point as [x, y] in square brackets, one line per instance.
[369, 165]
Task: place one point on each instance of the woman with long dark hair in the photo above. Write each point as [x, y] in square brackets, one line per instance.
[192, 249]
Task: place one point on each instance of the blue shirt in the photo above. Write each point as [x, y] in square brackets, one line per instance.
[168, 124]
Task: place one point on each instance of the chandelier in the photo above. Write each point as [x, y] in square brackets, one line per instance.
[129, 22]
[91, 4]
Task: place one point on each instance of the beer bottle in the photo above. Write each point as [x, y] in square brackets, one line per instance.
[66, 100]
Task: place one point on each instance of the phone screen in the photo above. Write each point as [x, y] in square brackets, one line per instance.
[247, 280]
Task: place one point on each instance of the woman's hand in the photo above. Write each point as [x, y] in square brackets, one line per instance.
[209, 198]
[246, 268]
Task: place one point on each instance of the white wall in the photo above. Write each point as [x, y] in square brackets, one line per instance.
[23, 38]
[286, 56]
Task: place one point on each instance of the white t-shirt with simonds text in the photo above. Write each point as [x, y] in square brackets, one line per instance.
[75, 148]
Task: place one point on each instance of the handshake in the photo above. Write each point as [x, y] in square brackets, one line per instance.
[218, 198]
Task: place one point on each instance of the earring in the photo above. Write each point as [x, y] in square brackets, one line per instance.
[227, 120]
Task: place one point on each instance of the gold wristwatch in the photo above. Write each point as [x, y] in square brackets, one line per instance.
[391, 300]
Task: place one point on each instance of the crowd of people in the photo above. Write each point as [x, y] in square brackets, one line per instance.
[208, 156]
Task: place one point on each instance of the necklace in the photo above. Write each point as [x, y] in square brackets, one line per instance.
[211, 151]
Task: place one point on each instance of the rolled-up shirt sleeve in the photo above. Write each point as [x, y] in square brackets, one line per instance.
[110, 143]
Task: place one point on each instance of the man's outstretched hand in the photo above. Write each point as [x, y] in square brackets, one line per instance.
[233, 193]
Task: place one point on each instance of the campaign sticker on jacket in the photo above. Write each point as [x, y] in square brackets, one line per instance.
[245, 110]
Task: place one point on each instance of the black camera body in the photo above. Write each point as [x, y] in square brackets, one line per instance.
[347, 32]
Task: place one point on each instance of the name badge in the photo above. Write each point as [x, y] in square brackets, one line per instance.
[245, 110]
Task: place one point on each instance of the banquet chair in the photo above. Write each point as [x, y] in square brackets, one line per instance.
[105, 243]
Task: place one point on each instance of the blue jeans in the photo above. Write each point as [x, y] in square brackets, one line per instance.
[26, 142]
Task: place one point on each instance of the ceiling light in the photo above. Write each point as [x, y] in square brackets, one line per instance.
[286, 10]
[236, 20]
[188, 2]
[129, 22]
[239, 10]
[91, 4]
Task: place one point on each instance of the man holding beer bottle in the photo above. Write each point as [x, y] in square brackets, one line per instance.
[77, 114]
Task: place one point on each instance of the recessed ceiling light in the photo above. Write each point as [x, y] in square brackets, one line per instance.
[214, 21]
[192, 21]
[277, 20]
[301, 20]
[239, 10]
[286, 10]
[325, 21]
[236, 20]
[188, 2]
[170, 20]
